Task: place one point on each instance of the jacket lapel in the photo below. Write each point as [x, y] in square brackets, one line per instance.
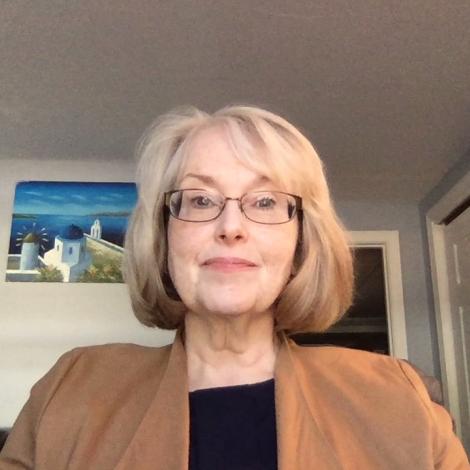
[301, 443]
[162, 438]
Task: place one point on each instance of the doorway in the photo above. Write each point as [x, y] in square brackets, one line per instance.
[448, 225]
[376, 321]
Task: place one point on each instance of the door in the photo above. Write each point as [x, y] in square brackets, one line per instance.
[457, 247]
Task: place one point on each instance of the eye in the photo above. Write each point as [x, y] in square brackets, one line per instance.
[202, 202]
[265, 203]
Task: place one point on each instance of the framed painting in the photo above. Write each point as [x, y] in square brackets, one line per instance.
[69, 231]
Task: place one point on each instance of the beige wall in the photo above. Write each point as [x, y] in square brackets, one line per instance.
[40, 321]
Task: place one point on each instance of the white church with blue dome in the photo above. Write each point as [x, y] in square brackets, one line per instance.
[69, 254]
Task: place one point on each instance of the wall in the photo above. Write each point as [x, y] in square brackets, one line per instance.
[404, 217]
[40, 321]
[448, 181]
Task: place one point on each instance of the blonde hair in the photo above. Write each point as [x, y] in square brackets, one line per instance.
[319, 292]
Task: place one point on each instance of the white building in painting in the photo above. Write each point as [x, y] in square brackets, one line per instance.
[95, 231]
[29, 252]
[69, 254]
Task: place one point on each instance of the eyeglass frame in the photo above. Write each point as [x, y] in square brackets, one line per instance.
[297, 208]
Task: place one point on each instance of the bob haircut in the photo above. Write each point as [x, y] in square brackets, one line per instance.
[320, 290]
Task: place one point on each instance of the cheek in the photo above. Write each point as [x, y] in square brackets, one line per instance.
[183, 248]
[278, 249]
[178, 270]
[174, 250]
[177, 237]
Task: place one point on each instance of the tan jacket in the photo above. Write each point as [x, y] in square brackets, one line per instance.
[125, 407]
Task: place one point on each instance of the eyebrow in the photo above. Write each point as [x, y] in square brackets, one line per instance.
[212, 182]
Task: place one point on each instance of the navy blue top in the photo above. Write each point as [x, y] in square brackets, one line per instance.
[233, 428]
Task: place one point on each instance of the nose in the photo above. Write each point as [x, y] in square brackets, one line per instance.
[231, 223]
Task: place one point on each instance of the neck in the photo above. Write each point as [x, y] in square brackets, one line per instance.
[229, 350]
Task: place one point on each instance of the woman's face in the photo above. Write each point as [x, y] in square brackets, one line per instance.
[209, 285]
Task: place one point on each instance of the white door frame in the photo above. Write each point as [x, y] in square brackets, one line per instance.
[441, 292]
[389, 242]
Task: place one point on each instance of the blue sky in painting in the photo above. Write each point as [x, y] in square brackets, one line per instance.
[78, 198]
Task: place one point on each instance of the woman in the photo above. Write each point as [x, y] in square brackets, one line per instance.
[234, 243]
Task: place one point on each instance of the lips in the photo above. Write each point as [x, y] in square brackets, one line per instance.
[227, 265]
[229, 262]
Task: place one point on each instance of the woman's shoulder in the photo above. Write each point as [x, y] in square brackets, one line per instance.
[90, 369]
[360, 371]
[345, 365]
[114, 356]
[355, 389]
[118, 354]
[342, 357]
[335, 353]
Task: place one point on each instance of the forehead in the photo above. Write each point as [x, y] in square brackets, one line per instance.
[217, 153]
[209, 146]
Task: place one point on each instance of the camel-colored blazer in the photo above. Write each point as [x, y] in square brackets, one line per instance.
[125, 407]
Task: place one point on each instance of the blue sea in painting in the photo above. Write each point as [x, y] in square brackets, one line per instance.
[47, 207]
[113, 228]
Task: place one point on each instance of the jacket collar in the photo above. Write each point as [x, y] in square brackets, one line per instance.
[162, 437]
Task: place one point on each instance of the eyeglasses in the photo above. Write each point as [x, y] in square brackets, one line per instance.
[263, 207]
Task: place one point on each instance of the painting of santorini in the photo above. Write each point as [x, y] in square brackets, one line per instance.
[69, 231]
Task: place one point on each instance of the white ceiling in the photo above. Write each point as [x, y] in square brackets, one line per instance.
[381, 87]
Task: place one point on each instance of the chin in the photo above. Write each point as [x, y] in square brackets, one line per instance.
[227, 305]
[232, 307]
[230, 301]
[228, 310]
